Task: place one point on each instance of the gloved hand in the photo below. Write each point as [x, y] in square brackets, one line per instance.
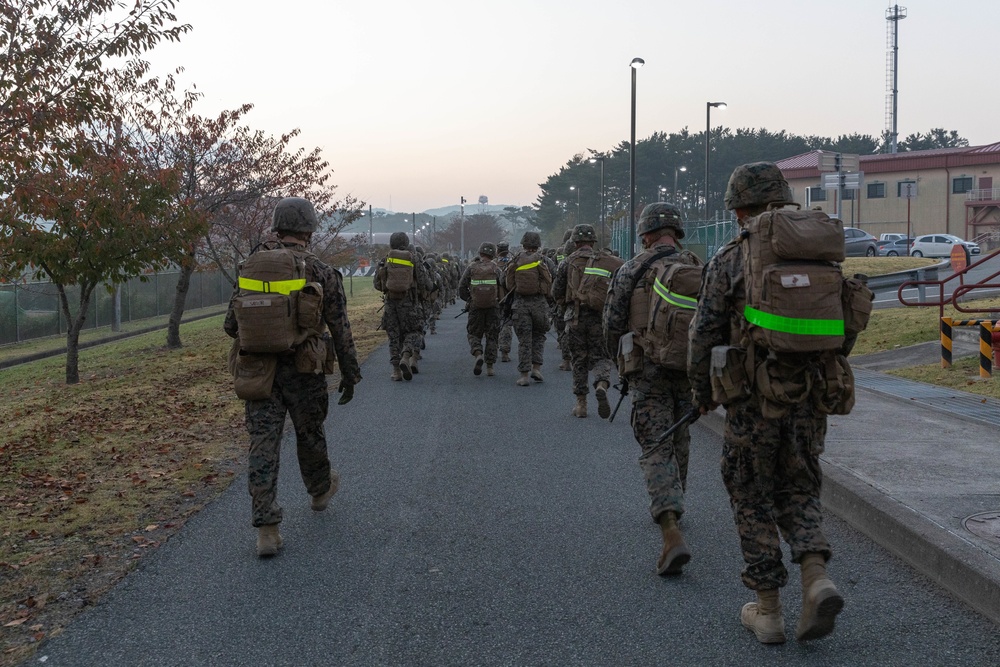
[346, 392]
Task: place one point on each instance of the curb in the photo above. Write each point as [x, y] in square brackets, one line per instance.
[961, 568]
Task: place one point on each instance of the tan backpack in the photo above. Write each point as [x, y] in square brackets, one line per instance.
[793, 281]
[399, 270]
[673, 297]
[590, 277]
[276, 309]
[531, 275]
[483, 285]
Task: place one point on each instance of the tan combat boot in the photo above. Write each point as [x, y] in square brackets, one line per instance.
[675, 554]
[603, 407]
[504, 357]
[522, 380]
[566, 365]
[404, 367]
[764, 617]
[478, 368]
[580, 409]
[268, 540]
[489, 370]
[821, 602]
[319, 503]
[536, 372]
[396, 375]
[413, 363]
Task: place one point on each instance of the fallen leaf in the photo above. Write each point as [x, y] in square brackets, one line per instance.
[151, 527]
[15, 623]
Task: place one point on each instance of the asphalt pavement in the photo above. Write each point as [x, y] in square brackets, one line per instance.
[479, 523]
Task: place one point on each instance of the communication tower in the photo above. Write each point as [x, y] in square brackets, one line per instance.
[893, 15]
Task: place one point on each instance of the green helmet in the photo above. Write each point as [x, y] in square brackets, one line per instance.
[567, 234]
[399, 241]
[503, 246]
[488, 249]
[584, 234]
[659, 215]
[755, 184]
[531, 240]
[294, 214]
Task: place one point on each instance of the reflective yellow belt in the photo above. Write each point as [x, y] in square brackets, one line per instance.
[484, 282]
[528, 266]
[597, 271]
[674, 298]
[285, 287]
[404, 262]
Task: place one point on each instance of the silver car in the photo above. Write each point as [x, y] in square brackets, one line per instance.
[858, 243]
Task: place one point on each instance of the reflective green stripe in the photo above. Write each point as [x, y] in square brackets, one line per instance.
[597, 271]
[484, 282]
[673, 298]
[560, 257]
[528, 266]
[285, 287]
[393, 260]
[793, 325]
[444, 260]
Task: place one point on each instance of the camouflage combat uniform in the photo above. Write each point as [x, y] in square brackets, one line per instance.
[659, 396]
[506, 336]
[402, 318]
[770, 467]
[529, 315]
[584, 335]
[303, 396]
[482, 322]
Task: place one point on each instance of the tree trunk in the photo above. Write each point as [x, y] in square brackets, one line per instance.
[73, 327]
[180, 296]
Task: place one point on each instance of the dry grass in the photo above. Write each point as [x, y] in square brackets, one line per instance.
[96, 475]
[963, 376]
[899, 327]
[877, 266]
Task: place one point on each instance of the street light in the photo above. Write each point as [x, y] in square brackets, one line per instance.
[635, 64]
[708, 132]
[601, 160]
[660, 191]
[463, 228]
[573, 187]
[676, 169]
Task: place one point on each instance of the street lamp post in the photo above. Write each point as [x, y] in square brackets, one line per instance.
[674, 193]
[462, 233]
[635, 64]
[573, 187]
[708, 133]
[601, 160]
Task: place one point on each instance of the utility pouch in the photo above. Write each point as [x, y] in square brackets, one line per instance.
[310, 355]
[330, 361]
[729, 374]
[310, 311]
[857, 299]
[629, 355]
[833, 392]
[782, 385]
[253, 375]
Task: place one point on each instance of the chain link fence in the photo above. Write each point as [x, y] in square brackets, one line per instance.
[32, 310]
[701, 236]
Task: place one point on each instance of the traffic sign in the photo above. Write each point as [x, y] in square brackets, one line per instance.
[829, 161]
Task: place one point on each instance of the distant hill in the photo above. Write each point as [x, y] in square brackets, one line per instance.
[390, 221]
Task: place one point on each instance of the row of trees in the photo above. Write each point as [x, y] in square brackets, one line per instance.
[107, 172]
[663, 159]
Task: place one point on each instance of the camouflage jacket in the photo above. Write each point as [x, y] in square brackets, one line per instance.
[422, 281]
[334, 309]
[465, 284]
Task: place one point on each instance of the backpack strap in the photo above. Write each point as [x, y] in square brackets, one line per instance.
[645, 266]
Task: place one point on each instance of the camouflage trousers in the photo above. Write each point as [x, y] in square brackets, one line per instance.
[655, 407]
[585, 341]
[483, 323]
[530, 319]
[303, 397]
[506, 337]
[402, 322]
[771, 469]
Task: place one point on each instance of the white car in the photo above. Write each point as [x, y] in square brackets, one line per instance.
[891, 237]
[939, 245]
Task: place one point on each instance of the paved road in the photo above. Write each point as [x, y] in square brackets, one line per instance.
[480, 524]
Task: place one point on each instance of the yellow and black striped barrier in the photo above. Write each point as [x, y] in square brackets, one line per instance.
[986, 328]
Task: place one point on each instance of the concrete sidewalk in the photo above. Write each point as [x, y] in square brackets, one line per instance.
[915, 467]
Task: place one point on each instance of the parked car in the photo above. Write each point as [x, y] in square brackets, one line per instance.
[939, 245]
[891, 237]
[858, 243]
[896, 248]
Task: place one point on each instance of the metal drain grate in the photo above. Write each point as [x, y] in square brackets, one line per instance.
[937, 398]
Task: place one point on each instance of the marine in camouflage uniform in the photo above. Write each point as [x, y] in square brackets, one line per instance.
[402, 318]
[302, 396]
[659, 396]
[529, 313]
[483, 323]
[507, 330]
[770, 466]
[559, 311]
[584, 335]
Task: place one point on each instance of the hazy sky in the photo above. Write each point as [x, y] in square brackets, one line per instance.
[416, 103]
